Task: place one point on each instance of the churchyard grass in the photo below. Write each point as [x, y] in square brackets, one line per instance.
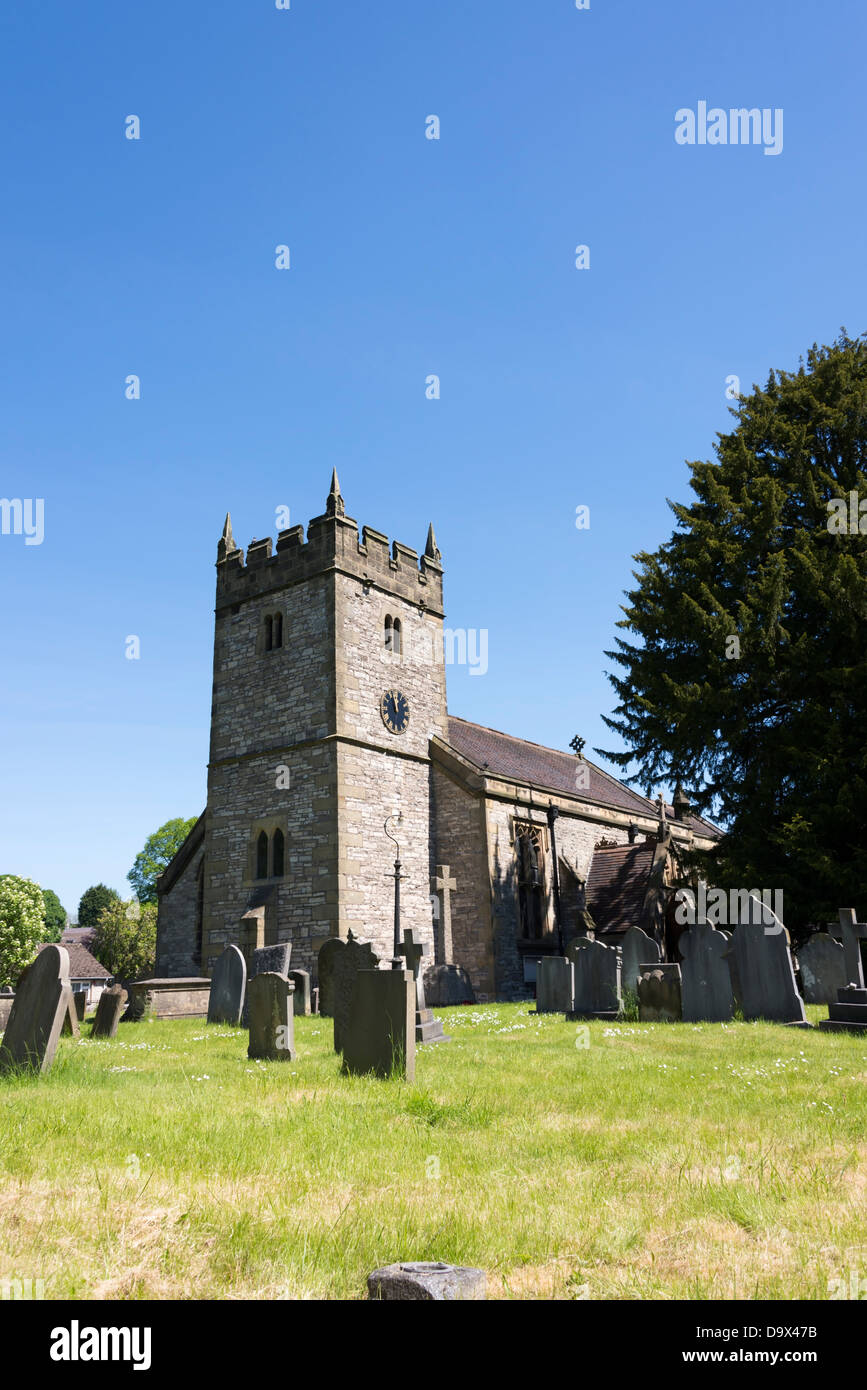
[660, 1161]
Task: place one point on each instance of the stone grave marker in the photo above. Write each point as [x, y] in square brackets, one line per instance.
[70, 1023]
[272, 1018]
[379, 1036]
[301, 981]
[854, 936]
[112, 1003]
[271, 960]
[760, 946]
[42, 1003]
[447, 985]
[597, 978]
[427, 1028]
[555, 985]
[707, 981]
[822, 963]
[659, 993]
[80, 998]
[228, 988]
[637, 951]
[342, 964]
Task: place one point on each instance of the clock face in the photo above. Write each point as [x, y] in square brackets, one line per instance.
[394, 708]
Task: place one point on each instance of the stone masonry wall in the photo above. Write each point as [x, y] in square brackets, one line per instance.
[459, 841]
[176, 925]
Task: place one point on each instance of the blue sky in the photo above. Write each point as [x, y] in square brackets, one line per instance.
[409, 257]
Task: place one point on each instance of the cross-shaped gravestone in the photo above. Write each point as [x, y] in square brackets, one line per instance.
[853, 934]
[412, 952]
[444, 885]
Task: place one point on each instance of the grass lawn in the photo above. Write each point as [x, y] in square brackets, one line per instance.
[661, 1161]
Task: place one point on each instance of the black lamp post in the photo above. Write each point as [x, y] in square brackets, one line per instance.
[396, 962]
[553, 813]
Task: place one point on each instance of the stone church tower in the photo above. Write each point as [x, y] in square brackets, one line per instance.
[329, 715]
[328, 687]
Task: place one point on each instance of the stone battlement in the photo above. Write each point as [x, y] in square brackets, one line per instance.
[332, 543]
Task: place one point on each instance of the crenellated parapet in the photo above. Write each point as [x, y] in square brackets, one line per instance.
[332, 543]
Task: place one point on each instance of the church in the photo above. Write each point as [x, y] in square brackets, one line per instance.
[330, 726]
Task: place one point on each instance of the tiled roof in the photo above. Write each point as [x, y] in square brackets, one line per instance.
[617, 884]
[82, 965]
[521, 761]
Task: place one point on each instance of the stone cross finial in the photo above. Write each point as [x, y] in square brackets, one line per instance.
[444, 885]
[335, 505]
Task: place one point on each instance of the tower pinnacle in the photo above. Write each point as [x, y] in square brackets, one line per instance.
[335, 506]
[227, 540]
[431, 550]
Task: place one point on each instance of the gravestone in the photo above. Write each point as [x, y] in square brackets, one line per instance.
[706, 982]
[447, 985]
[822, 963]
[228, 988]
[637, 950]
[271, 960]
[80, 998]
[426, 1281]
[379, 1036]
[344, 961]
[555, 985]
[760, 946]
[42, 1003]
[108, 1011]
[301, 981]
[427, 1028]
[659, 994]
[854, 935]
[272, 1019]
[597, 978]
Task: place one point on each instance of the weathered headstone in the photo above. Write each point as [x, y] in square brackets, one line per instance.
[760, 946]
[272, 1019]
[447, 985]
[426, 1281]
[228, 988]
[659, 994]
[597, 978]
[80, 998]
[707, 983]
[42, 1003]
[108, 1011]
[380, 1033]
[555, 985]
[271, 960]
[343, 961]
[637, 950]
[428, 1029]
[301, 981]
[854, 936]
[822, 963]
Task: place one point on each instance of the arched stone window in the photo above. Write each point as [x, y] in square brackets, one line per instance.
[389, 633]
[262, 855]
[397, 637]
[269, 633]
[278, 629]
[277, 854]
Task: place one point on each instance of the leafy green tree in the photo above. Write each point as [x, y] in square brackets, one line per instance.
[160, 848]
[22, 925]
[55, 916]
[93, 900]
[126, 939]
[749, 679]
